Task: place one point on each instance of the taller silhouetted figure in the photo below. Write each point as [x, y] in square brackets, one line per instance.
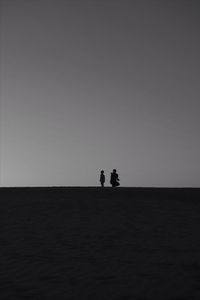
[102, 178]
[114, 178]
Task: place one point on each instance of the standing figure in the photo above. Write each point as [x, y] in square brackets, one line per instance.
[114, 178]
[102, 178]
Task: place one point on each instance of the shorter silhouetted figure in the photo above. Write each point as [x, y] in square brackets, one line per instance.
[102, 178]
[114, 178]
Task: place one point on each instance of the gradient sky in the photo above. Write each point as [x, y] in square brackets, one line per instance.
[100, 84]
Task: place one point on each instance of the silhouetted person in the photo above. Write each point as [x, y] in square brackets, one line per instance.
[114, 178]
[102, 178]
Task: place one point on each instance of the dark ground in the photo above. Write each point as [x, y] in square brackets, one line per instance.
[93, 243]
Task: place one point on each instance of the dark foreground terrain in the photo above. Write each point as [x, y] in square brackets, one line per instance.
[93, 243]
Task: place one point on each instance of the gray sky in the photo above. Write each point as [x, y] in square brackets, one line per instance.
[89, 85]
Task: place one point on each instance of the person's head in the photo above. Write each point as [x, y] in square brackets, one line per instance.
[102, 171]
[114, 170]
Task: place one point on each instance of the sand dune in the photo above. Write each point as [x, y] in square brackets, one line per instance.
[93, 243]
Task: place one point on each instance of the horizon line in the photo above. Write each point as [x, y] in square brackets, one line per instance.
[105, 187]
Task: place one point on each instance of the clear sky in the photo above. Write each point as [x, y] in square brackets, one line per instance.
[100, 84]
